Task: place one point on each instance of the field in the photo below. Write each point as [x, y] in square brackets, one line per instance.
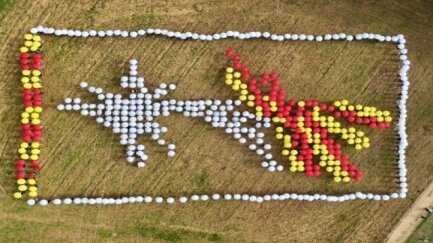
[81, 158]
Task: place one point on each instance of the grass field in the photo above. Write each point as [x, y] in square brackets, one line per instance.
[81, 158]
[423, 232]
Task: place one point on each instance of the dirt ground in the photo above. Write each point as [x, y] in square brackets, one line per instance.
[80, 158]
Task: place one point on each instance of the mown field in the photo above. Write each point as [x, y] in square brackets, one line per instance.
[81, 158]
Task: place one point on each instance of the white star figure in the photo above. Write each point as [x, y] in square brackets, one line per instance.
[135, 115]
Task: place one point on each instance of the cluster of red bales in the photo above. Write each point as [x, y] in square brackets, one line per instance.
[291, 110]
[30, 61]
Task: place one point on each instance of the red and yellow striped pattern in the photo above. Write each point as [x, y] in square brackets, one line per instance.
[27, 165]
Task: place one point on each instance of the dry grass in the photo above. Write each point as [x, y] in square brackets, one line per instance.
[81, 158]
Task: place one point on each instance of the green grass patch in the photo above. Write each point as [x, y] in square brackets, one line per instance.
[12, 206]
[215, 237]
[201, 180]
[424, 231]
[341, 217]
[358, 75]
[13, 231]
[105, 234]
[160, 234]
[5, 4]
